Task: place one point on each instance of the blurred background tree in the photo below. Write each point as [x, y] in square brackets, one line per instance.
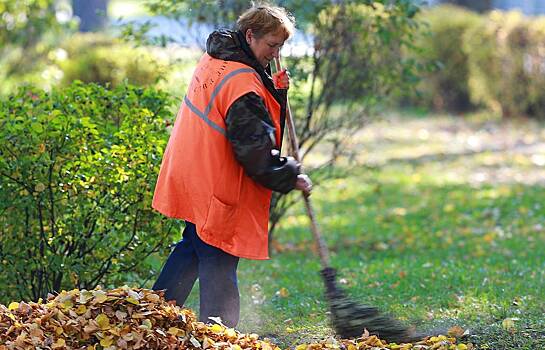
[29, 33]
[92, 14]
[479, 5]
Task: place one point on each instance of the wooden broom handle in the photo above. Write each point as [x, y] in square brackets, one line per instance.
[323, 252]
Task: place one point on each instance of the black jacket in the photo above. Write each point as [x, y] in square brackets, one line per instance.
[249, 126]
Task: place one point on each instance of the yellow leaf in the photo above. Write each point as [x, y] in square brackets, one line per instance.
[132, 294]
[461, 347]
[67, 304]
[103, 321]
[13, 306]
[216, 328]
[230, 333]
[207, 343]
[100, 296]
[81, 309]
[283, 292]
[114, 331]
[84, 296]
[60, 343]
[301, 347]
[132, 300]
[105, 342]
[175, 331]
[508, 324]
[154, 298]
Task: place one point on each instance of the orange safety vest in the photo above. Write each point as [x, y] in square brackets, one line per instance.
[200, 180]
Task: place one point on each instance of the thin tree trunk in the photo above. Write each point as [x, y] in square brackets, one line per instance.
[92, 14]
[475, 5]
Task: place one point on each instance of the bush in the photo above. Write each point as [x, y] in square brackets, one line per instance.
[77, 168]
[507, 64]
[95, 58]
[445, 87]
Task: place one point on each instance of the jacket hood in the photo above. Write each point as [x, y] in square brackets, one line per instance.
[231, 45]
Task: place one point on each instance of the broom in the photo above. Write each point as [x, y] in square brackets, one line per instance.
[348, 318]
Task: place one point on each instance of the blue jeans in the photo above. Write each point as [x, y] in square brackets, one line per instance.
[217, 272]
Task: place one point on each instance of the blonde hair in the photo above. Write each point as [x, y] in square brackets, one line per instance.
[263, 19]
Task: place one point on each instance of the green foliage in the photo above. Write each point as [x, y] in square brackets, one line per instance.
[356, 66]
[24, 22]
[218, 13]
[77, 169]
[99, 59]
[446, 87]
[225, 13]
[494, 61]
[28, 31]
[359, 50]
[506, 55]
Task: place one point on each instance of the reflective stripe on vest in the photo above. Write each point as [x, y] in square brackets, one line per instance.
[204, 115]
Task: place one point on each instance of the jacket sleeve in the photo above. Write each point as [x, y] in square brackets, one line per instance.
[252, 135]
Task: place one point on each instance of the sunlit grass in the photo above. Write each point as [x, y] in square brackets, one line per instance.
[425, 240]
[126, 8]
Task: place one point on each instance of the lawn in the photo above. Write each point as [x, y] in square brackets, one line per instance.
[438, 220]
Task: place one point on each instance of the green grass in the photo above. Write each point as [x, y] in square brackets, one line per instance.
[428, 230]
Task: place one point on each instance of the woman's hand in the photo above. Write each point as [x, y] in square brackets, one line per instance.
[281, 79]
[303, 184]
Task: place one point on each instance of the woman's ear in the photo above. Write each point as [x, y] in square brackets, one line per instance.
[249, 36]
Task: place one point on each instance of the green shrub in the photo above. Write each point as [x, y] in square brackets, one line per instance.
[95, 58]
[446, 86]
[77, 171]
[507, 64]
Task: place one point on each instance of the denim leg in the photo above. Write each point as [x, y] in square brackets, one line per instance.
[181, 268]
[219, 295]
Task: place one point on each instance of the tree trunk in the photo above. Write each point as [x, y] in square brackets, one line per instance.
[475, 5]
[92, 14]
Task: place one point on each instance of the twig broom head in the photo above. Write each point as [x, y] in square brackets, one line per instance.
[350, 319]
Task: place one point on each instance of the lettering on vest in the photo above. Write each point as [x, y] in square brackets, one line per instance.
[197, 87]
[204, 114]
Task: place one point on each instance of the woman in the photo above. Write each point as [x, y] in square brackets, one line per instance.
[223, 161]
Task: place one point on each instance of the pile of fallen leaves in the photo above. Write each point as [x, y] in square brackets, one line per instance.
[126, 318]
[371, 342]
[122, 318]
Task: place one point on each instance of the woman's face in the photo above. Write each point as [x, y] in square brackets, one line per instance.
[267, 47]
